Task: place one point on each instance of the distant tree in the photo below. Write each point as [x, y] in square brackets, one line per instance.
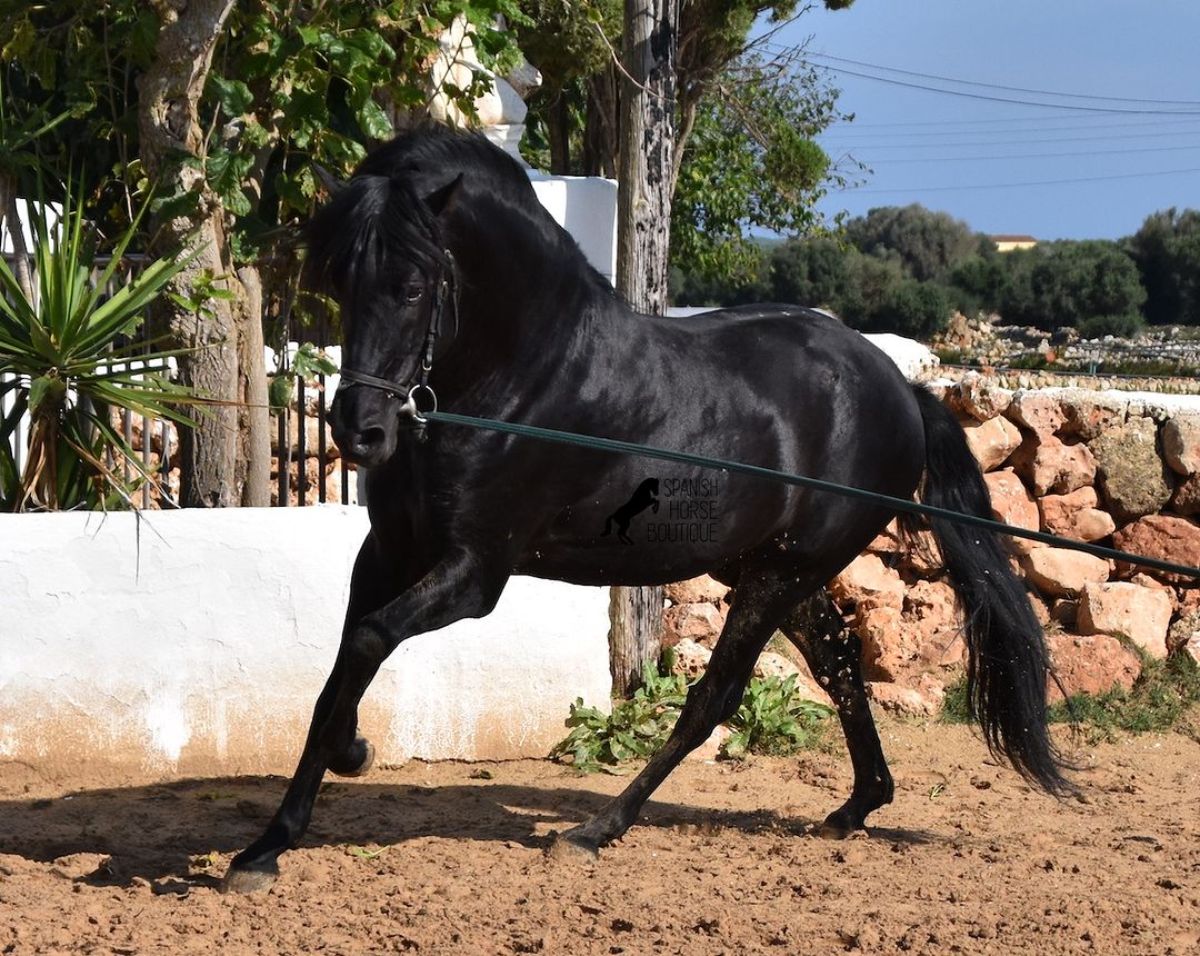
[912, 308]
[1167, 252]
[1067, 283]
[815, 272]
[927, 243]
[978, 283]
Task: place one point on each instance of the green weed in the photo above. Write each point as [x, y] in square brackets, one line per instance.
[772, 719]
[1158, 700]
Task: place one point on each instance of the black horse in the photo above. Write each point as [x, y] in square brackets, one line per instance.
[453, 278]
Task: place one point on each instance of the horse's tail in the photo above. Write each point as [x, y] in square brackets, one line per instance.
[1007, 660]
[607, 526]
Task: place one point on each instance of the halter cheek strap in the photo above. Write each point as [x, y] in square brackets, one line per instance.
[447, 292]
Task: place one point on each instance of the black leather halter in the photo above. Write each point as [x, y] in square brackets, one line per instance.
[446, 294]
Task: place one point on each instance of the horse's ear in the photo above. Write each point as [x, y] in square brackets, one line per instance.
[328, 180]
[441, 201]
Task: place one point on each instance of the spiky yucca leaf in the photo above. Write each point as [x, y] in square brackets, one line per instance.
[60, 354]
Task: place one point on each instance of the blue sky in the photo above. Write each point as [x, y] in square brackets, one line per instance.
[1145, 50]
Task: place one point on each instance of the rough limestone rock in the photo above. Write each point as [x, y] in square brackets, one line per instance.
[867, 582]
[1166, 537]
[696, 591]
[1075, 515]
[691, 659]
[1144, 580]
[1059, 572]
[1186, 499]
[1089, 415]
[921, 555]
[1042, 414]
[1185, 632]
[770, 664]
[711, 748]
[1012, 504]
[1121, 609]
[1181, 443]
[992, 441]
[931, 612]
[906, 701]
[889, 646]
[946, 653]
[1090, 664]
[1133, 479]
[1049, 466]
[692, 622]
[974, 397]
[1188, 599]
[888, 541]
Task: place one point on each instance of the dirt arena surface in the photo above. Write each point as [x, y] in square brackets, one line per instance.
[450, 858]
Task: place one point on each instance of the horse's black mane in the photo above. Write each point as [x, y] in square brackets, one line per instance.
[382, 211]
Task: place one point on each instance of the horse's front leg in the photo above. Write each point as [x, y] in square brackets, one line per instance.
[459, 586]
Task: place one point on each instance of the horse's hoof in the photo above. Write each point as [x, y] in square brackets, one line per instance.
[572, 847]
[837, 826]
[242, 881]
[359, 759]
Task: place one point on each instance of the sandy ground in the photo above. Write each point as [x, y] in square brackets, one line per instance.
[450, 858]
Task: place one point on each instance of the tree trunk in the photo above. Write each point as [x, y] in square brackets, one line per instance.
[559, 134]
[647, 156]
[647, 125]
[10, 212]
[254, 418]
[169, 124]
[601, 135]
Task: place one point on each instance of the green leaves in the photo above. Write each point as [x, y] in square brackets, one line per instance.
[233, 96]
[772, 719]
[635, 729]
[61, 357]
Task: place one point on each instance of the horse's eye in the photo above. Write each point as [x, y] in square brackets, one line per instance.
[413, 294]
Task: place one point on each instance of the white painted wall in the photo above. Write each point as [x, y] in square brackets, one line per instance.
[206, 652]
[586, 206]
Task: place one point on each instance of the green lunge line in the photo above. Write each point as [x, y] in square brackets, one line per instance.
[897, 504]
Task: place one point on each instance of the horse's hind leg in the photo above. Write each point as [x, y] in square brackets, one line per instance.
[833, 655]
[763, 596]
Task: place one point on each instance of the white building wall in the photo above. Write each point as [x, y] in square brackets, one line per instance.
[198, 643]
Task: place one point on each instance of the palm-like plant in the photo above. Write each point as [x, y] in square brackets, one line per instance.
[61, 353]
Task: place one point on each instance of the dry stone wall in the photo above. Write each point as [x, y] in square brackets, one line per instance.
[1104, 467]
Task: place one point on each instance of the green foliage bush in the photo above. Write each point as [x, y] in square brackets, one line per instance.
[912, 308]
[1066, 283]
[927, 243]
[772, 719]
[1122, 326]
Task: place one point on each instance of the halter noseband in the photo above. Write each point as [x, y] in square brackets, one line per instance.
[447, 291]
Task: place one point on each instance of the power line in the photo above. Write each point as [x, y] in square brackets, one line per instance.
[998, 86]
[846, 130]
[1001, 156]
[942, 144]
[1039, 182]
[1007, 99]
[1041, 118]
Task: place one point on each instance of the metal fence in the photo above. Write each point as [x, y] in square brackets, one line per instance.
[292, 482]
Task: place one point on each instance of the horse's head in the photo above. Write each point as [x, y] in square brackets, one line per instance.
[378, 246]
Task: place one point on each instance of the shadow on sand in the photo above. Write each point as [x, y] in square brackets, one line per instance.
[153, 832]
